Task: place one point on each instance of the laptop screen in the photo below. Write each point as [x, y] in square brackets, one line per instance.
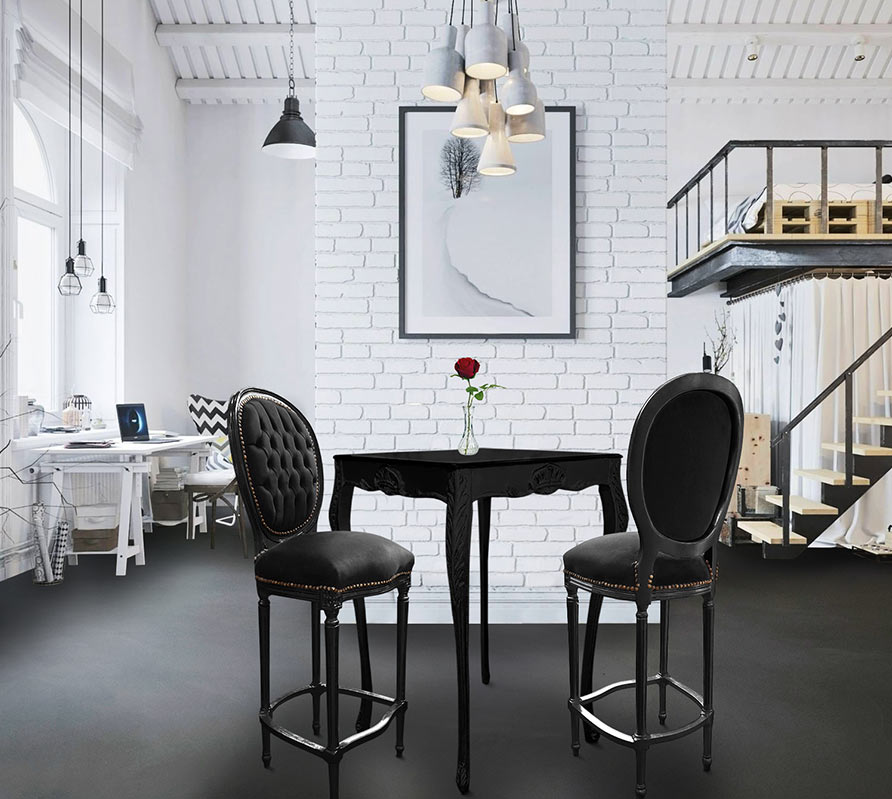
[132, 422]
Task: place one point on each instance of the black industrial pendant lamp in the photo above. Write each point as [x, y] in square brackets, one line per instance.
[102, 301]
[69, 283]
[291, 137]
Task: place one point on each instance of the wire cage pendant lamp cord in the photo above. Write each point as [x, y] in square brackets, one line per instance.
[83, 265]
[463, 67]
[69, 284]
[291, 137]
[102, 302]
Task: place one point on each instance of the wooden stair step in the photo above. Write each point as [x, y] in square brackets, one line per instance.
[803, 506]
[867, 450]
[769, 532]
[830, 478]
[881, 420]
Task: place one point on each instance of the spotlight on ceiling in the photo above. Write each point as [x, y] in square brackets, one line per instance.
[858, 48]
[752, 48]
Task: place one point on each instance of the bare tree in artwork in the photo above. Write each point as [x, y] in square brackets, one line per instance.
[458, 166]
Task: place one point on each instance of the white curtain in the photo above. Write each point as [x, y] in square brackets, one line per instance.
[41, 77]
[791, 343]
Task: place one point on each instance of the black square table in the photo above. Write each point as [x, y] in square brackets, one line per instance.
[459, 481]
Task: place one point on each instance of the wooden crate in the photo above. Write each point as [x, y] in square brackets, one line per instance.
[755, 458]
[94, 540]
[805, 217]
[887, 219]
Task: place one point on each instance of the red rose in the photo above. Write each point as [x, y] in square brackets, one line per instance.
[467, 368]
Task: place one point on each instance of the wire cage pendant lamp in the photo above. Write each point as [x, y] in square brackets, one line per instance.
[102, 302]
[69, 284]
[464, 67]
[83, 264]
[291, 137]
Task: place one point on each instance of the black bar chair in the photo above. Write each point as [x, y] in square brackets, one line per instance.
[682, 468]
[279, 472]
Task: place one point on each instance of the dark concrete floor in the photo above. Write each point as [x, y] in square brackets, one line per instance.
[147, 686]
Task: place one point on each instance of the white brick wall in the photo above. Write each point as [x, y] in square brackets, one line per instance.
[374, 391]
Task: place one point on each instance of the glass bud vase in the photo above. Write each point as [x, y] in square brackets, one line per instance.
[468, 444]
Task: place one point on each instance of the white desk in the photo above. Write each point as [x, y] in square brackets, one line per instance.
[130, 459]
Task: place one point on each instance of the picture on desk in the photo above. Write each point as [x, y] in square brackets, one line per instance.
[132, 422]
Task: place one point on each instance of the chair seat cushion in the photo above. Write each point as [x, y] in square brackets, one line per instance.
[333, 561]
[610, 561]
[217, 478]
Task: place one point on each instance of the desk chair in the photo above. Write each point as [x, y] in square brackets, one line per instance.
[279, 471]
[682, 468]
[217, 481]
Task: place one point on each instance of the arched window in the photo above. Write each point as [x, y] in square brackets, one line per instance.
[30, 170]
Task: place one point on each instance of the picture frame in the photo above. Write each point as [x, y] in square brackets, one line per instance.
[499, 259]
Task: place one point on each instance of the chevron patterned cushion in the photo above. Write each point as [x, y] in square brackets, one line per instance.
[209, 416]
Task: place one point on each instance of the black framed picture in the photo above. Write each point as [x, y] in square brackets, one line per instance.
[486, 256]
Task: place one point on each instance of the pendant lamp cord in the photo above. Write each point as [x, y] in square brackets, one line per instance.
[496, 19]
[81, 134]
[462, 12]
[69, 129]
[451, 11]
[291, 50]
[102, 139]
[513, 16]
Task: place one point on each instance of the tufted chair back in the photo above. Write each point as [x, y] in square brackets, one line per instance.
[277, 465]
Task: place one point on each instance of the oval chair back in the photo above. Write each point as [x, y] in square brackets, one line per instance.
[277, 464]
[682, 468]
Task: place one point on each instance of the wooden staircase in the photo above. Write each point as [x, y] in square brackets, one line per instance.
[800, 521]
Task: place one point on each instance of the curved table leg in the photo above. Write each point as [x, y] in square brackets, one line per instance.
[459, 511]
[613, 502]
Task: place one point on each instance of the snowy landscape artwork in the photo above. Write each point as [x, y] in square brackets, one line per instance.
[484, 256]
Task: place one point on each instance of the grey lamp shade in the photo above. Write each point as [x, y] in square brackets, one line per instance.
[102, 301]
[519, 95]
[469, 120]
[69, 283]
[83, 264]
[486, 46]
[527, 127]
[291, 137]
[496, 160]
[444, 70]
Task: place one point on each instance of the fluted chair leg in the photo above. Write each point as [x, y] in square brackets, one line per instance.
[708, 633]
[212, 521]
[316, 655]
[664, 656]
[573, 643]
[640, 699]
[402, 634]
[332, 626]
[263, 623]
[588, 657]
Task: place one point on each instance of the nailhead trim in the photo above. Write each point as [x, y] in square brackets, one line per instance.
[331, 588]
[242, 404]
[650, 584]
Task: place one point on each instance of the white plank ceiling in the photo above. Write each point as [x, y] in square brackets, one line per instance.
[236, 51]
[806, 51]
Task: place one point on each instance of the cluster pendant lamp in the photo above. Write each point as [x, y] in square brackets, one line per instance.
[463, 68]
[291, 137]
[69, 284]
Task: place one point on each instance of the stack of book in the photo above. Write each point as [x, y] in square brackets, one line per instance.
[170, 478]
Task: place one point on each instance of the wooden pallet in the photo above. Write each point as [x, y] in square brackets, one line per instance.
[887, 219]
[805, 217]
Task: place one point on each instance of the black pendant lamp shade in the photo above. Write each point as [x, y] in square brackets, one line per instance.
[291, 137]
[69, 283]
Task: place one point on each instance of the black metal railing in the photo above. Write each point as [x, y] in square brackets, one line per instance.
[781, 442]
[769, 145]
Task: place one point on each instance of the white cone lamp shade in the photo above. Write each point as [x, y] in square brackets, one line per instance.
[469, 120]
[496, 160]
[518, 95]
[444, 71]
[486, 46]
[528, 127]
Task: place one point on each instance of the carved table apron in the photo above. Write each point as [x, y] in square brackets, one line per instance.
[460, 481]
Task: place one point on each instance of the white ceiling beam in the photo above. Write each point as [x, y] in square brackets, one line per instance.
[231, 90]
[762, 89]
[777, 33]
[222, 35]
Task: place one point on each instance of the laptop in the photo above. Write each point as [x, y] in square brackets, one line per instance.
[134, 425]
